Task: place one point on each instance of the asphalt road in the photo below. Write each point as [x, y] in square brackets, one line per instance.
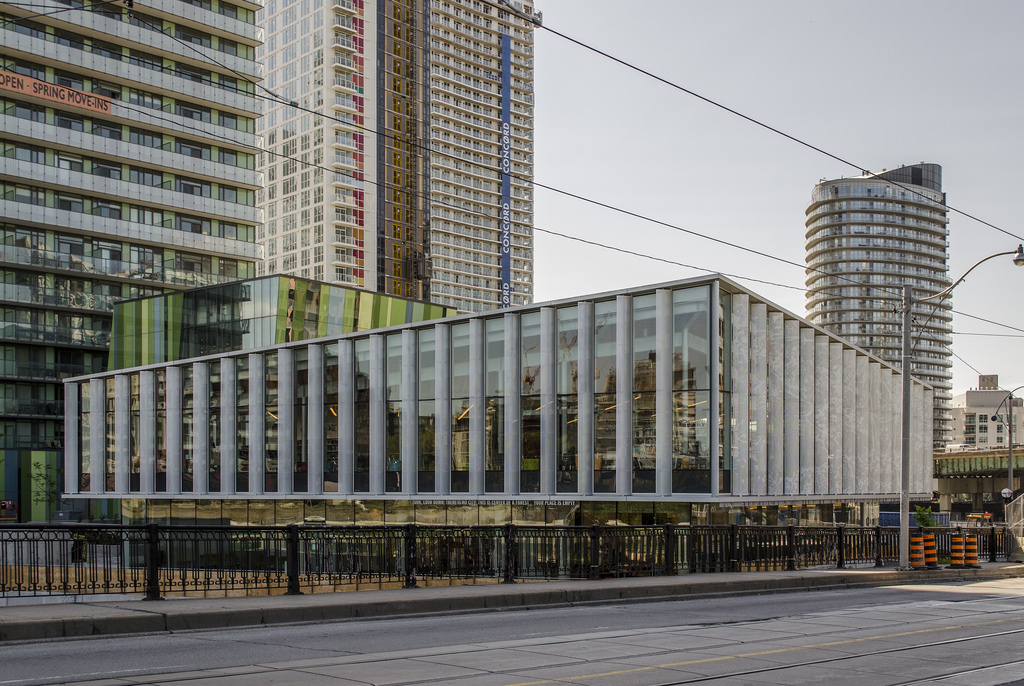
[966, 634]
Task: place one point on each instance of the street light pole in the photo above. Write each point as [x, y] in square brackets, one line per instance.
[1009, 432]
[908, 302]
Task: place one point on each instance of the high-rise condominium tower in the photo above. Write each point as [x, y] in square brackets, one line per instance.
[400, 147]
[128, 169]
[867, 236]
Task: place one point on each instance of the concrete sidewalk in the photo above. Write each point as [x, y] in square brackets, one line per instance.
[84, 616]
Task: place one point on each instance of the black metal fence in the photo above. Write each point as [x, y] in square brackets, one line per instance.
[157, 560]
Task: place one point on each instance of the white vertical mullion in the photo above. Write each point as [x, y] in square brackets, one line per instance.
[716, 374]
[200, 429]
[72, 446]
[663, 345]
[147, 432]
[776, 404]
[865, 425]
[759, 399]
[286, 420]
[315, 419]
[741, 394]
[228, 424]
[821, 414]
[122, 433]
[791, 411]
[173, 426]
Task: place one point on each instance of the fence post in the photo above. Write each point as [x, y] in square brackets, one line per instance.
[153, 562]
[291, 554]
[511, 558]
[595, 551]
[840, 547]
[410, 556]
[878, 547]
[992, 539]
[670, 550]
[734, 561]
[791, 547]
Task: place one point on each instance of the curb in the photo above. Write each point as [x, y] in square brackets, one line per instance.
[78, 620]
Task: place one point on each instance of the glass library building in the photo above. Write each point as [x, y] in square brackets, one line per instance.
[688, 402]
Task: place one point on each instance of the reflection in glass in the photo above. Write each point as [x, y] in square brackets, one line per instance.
[361, 480]
[188, 436]
[270, 422]
[393, 423]
[300, 472]
[460, 408]
[425, 346]
[567, 401]
[330, 411]
[644, 384]
[242, 424]
[213, 472]
[494, 424]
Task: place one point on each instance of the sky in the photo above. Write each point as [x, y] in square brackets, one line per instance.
[877, 83]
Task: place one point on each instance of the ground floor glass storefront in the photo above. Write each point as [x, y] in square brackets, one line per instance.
[188, 512]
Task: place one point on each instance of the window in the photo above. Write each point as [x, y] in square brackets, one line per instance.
[145, 59]
[69, 121]
[25, 194]
[193, 187]
[68, 161]
[25, 153]
[228, 194]
[103, 208]
[150, 100]
[106, 130]
[71, 40]
[229, 157]
[68, 80]
[193, 36]
[228, 46]
[23, 111]
[146, 177]
[69, 202]
[107, 90]
[193, 73]
[150, 139]
[146, 215]
[196, 150]
[106, 169]
[190, 111]
[190, 224]
[228, 120]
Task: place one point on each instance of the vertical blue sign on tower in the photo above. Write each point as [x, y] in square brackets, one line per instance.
[506, 170]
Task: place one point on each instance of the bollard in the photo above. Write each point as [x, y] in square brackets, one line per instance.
[931, 553]
[956, 550]
[971, 552]
[917, 551]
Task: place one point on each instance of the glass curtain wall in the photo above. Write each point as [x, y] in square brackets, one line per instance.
[242, 424]
[270, 422]
[460, 408]
[724, 399]
[187, 428]
[691, 381]
[160, 485]
[134, 449]
[330, 410]
[605, 357]
[393, 422]
[529, 471]
[567, 401]
[361, 477]
[215, 428]
[300, 469]
[426, 346]
[644, 406]
[85, 447]
[109, 431]
[494, 426]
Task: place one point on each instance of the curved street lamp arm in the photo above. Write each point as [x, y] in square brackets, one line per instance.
[964, 276]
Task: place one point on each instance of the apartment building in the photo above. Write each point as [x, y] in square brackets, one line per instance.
[400, 147]
[128, 169]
